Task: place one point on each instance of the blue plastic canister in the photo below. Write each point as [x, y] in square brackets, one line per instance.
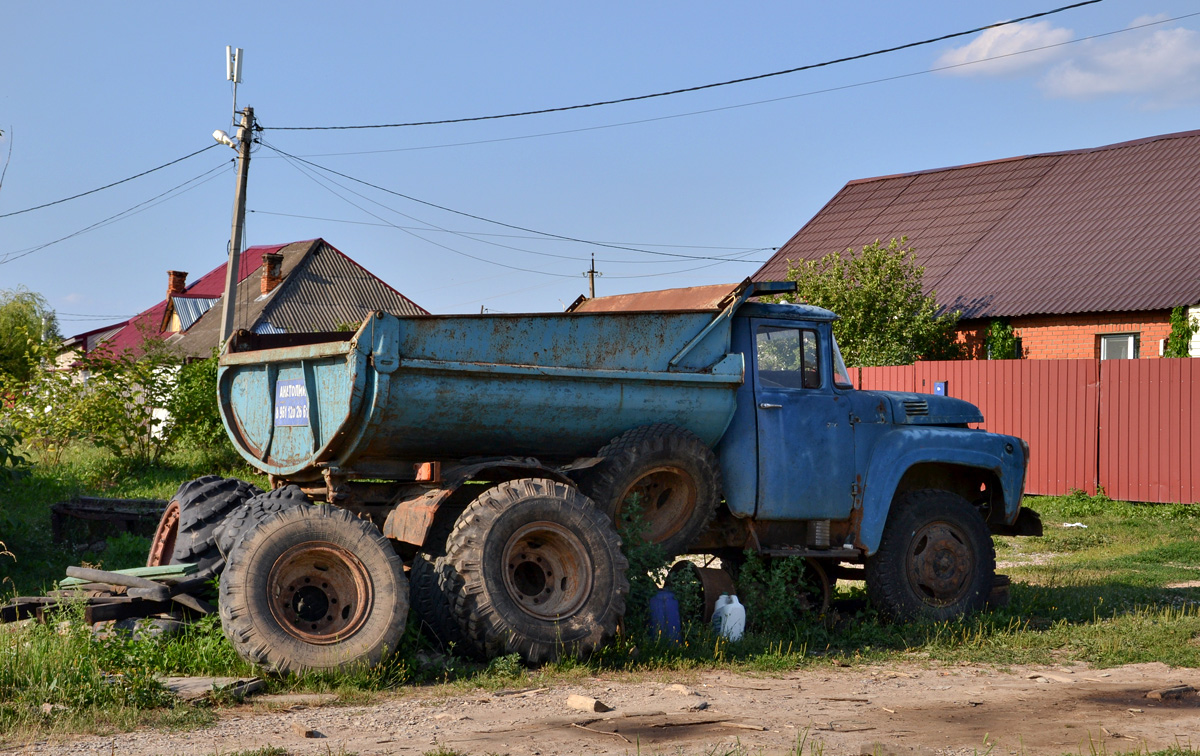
[664, 616]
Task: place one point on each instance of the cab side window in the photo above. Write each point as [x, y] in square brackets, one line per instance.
[787, 357]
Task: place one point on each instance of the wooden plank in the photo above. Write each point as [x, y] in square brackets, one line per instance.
[119, 610]
[163, 572]
[159, 591]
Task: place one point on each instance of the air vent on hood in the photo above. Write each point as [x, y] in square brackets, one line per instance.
[916, 407]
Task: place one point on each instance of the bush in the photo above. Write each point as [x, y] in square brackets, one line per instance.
[195, 410]
[648, 565]
[778, 594]
[135, 407]
[13, 466]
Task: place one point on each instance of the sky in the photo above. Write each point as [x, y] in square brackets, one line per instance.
[684, 190]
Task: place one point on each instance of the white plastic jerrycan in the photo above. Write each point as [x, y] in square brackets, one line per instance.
[729, 617]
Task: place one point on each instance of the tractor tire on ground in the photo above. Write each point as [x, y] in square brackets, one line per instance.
[535, 569]
[313, 588]
[935, 561]
[674, 475]
[186, 531]
[256, 509]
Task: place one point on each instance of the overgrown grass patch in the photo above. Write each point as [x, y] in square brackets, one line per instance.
[89, 471]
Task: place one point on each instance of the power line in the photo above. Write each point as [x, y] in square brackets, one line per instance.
[700, 87]
[413, 233]
[453, 250]
[734, 256]
[753, 103]
[139, 207]
[514, 236]
[489, 220]
[107, 186]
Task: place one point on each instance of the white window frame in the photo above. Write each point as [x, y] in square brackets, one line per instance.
[1131, 342]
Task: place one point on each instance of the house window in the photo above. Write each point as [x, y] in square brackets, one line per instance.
[1119, 346]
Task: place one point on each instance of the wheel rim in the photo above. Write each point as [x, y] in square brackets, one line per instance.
[547, 570]
[822, 591]
[162, 548]
[940, 564]
[319, 592]
[667, 497]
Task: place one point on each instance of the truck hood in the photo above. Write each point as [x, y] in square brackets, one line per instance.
[928, 409]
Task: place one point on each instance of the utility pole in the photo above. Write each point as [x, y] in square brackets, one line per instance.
[591, 273]
[245, 134]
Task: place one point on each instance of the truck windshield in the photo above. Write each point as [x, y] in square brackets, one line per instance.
[841, 378]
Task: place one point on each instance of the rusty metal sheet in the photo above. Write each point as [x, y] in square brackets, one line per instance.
[411, 519]
[693, 298]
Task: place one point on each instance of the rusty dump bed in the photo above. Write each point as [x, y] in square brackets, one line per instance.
[403, 390]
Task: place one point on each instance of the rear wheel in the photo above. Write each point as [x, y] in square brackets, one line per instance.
[935, 559]
[537, 570]
[187, 530]
[313, 588]
[664, 474]
[256, 509]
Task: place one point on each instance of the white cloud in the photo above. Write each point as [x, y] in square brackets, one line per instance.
[1160, 69]
[1144, 20]
[1001, 43]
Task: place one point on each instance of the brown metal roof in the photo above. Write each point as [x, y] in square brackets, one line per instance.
[1109, 229]
[711, 297]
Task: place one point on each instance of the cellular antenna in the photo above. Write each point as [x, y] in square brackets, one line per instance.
[233, 72]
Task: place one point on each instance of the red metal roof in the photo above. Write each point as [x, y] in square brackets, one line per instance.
[1107, 229]
[148, 324]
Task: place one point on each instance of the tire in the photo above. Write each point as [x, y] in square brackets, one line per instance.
[935, 560]
[186, 531]
[429, 598]
[431, 607]
[256, 509]
[535, 569]
[284, 580]
[675, 473]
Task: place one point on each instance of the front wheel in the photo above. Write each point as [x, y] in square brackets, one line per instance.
[935, 560]
[535, 569]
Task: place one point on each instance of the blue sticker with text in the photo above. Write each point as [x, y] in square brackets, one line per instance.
[291, 402]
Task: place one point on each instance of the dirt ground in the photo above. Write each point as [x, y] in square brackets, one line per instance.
[887, 710]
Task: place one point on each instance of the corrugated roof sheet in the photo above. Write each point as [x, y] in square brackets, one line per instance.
[692, 298]
[189, 309]
[327, 290]
[321, 290]
[1109, 229]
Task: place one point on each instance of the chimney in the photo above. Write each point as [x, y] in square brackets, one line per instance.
[272, 271]
[176, 282]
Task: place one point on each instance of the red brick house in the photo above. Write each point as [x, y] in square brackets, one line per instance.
[1084, 253]
[282, 288]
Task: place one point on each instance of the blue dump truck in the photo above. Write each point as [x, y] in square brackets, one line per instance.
[489, 459]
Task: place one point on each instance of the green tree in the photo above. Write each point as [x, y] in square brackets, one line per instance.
[886, 319]
[27, 329]
[1183, 327]
[1002, 342]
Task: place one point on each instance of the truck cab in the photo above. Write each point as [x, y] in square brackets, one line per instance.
[805, 445]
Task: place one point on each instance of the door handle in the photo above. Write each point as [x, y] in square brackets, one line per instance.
[764, 405]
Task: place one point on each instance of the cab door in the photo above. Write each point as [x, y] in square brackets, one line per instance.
[805, 435]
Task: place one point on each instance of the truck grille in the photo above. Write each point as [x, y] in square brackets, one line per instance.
[916, 407]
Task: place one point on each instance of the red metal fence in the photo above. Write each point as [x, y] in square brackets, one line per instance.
[1130, 426]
